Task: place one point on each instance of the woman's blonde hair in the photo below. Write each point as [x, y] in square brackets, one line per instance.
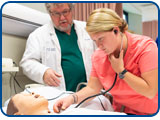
[104, 19]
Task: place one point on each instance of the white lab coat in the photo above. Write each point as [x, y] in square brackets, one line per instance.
[43, 52]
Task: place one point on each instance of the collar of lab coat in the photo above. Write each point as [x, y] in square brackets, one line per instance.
[52, 29]
[77, 24]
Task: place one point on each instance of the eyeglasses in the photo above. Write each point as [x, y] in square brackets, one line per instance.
[58, 14]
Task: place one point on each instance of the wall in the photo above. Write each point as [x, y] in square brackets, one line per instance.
[36, 6]
[150, 22]
[13, 47]
[139, 13]
[150, 13]
[135, 23]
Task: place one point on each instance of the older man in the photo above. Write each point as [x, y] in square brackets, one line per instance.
[59, 53]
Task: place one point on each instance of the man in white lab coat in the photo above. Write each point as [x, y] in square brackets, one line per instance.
[59, 53]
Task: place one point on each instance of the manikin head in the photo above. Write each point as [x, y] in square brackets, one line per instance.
[28, 104]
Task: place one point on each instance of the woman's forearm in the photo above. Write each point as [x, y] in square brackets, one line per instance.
[147, 85]
[84, 93]
[94, 86]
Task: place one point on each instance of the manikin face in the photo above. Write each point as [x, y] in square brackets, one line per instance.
[62, 17]
[28, 104]
[106, 41]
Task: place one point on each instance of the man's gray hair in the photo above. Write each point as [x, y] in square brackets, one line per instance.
[49, 5]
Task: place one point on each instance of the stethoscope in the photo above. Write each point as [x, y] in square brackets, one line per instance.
[103, 92]
[50, 99]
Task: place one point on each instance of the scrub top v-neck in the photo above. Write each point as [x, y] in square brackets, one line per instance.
[72, 61]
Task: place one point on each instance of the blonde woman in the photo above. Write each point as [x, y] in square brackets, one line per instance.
[134, 58]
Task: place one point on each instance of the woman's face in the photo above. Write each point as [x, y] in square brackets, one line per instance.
[106, 41]
[29, 103]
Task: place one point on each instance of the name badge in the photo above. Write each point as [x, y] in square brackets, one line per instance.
[50, 49]
[87, 39]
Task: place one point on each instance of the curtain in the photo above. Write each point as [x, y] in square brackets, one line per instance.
[83, 10]
[150, 28]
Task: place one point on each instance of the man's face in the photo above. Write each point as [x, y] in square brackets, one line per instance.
[62, 17]
[27, 104]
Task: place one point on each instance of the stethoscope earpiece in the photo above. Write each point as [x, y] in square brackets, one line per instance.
[115, 31]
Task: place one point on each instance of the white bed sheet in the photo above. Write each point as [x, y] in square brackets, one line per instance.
[92, 107]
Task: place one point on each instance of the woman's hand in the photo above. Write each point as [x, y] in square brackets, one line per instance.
[117, 63]
[63, 103]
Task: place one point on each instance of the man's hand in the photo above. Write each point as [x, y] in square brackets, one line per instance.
[117, 63]
[50, 77]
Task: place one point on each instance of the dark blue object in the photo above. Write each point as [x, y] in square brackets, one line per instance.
[157, 41]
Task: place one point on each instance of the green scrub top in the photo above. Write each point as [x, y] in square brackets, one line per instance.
[72, 61]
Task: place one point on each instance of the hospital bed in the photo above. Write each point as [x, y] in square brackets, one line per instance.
[93, 107]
